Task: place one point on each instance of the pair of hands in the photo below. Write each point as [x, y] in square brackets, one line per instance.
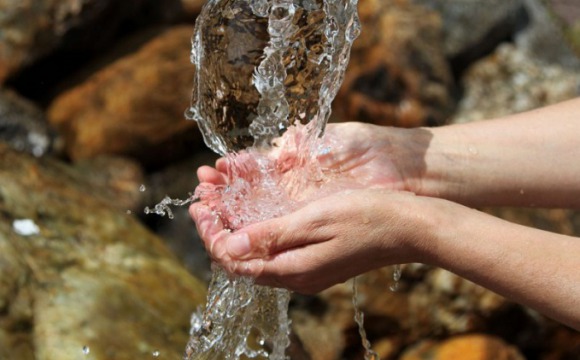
[336, 237]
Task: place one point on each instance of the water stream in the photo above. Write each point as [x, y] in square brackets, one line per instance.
[266, 74]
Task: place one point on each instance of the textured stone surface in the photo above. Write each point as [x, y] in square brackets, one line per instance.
[32, 29]
[545, 37]
[397, 73]
[469, 25]
[22, 125]
[430, 302]
[510, 81]
[89, 275]
[467, 347]
[135, 106]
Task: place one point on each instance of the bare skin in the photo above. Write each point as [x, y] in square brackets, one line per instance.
[528, 159]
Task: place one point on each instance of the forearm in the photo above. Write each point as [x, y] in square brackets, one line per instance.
[532, 267]
[528, 159]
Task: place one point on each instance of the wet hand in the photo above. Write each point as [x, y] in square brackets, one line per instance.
[363, 154]
[326, 242]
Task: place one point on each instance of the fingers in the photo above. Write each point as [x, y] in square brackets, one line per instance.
[208, 174]
[211, 231]
[306, 270]
[222, 165]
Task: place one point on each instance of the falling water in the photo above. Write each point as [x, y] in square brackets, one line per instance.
[266, 74]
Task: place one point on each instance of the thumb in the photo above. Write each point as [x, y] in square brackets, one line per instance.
[269, 237]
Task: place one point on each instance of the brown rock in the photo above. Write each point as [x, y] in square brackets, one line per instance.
[467, 347]
[134, 107]
[397, 73]
[192, 7]
[33, 29]
[75, 271]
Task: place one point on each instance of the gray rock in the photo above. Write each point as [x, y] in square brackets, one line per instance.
[544, 38]
[510, 81]
[22, 125]
[468, 25]
[75, 272]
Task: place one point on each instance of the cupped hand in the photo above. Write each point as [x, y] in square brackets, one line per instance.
[326, 242]
[368, 155]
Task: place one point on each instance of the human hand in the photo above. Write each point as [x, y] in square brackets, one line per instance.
[362, 154]
[326, 242]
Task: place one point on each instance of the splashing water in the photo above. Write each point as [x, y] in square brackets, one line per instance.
[359, 319]
[266, 74]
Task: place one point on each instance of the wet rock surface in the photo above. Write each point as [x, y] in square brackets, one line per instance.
[397, 73]
[134, 107]
[76, 271]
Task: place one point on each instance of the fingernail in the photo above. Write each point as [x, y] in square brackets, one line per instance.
[239, 245]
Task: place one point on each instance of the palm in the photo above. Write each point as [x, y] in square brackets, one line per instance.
[360, 154]
[355, 155]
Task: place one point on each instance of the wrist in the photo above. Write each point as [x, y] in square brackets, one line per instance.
[438, 159]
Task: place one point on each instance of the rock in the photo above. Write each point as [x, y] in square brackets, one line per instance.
[178, 181]
[398, 74]
[118, 180]
[134, 107]
[321, 339]
[22, 125]
[466, 347]
[33, 29]
[429, 302]
[545, 39]
[472, 28]
[192, 7]
[509, 81]
[75, 272]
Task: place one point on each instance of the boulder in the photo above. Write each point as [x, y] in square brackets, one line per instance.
[78, 276]
[23, 125]
[133, 107]
[30, 30]
[466, 347]
[429, 302]
[397, 74]
[510, 81]
[473, 27]
[549, 37]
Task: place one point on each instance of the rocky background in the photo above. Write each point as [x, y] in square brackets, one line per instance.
[92, 94]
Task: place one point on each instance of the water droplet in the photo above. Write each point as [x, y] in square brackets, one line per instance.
[473, 150]
[86, 350]
[129, 212]
[142, 188]
[155, 353]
